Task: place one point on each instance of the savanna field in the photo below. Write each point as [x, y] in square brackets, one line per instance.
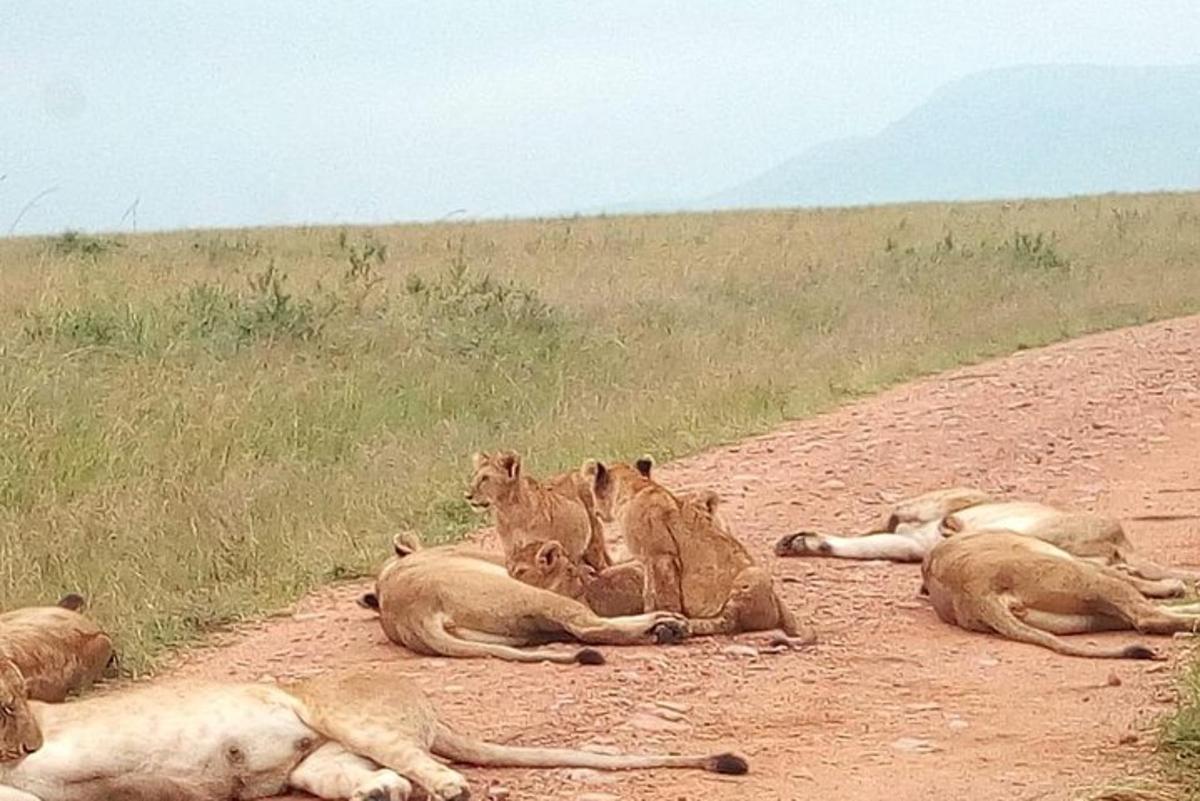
[199, 426]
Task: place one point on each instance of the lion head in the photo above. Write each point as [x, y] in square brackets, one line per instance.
[20, 734]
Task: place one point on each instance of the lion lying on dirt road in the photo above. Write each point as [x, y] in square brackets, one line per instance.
[524, 509]
[367, 737]
[693, 564]
[56, 649]
[1029, 590]
[460, 601]
[916, 525]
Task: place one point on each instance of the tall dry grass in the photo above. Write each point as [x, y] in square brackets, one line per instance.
[198, 426]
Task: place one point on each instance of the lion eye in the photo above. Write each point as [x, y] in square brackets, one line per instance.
[6, 710]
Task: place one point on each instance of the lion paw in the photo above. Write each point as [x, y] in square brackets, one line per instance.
[668, 632]
[452, 789]
[384, 788]
[802, 543]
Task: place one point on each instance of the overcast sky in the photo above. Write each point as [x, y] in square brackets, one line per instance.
[243, 112]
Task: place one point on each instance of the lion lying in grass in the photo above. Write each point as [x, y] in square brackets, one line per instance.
[56, 649]
[1029, 590]
[525, 510]
[460, 601]
[362, 737]
[693, 564]
[916, 525]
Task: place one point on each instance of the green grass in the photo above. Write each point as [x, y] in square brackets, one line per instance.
[1181, 737]
[199, 426]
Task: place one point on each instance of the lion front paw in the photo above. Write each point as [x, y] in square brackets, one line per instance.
[452, 788]
[671, 630]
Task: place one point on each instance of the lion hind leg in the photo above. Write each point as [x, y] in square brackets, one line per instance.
[1153, 571]
[332, 772]
[662, 591]
[385, 719]
[997, 614]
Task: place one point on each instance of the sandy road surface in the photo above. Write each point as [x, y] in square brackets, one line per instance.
[892, 704]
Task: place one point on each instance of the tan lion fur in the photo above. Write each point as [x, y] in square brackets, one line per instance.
[366, 737]
[914, 526]
[56, 649]
[1029, 590]
[460, 601]
[693, 563]
[526, 510]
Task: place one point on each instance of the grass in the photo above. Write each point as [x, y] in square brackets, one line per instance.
[1180, 737]
[199, 426]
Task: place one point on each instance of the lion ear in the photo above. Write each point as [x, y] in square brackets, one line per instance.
[711, 501]
[549, 553]
[406, 542]
[596, 473]
[644, 465]
[511, 462]
[478, 460]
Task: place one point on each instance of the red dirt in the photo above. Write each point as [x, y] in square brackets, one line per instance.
[892, 703]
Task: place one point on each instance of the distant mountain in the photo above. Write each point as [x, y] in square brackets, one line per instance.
[1016, 132]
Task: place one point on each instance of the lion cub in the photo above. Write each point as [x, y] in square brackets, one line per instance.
[1028, 590]
[617, 590]
[460, 601]
[611, 592]
[526, 510]
[56, 649]
[693, 564]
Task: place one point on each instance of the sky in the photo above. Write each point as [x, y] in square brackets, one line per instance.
[152, 115]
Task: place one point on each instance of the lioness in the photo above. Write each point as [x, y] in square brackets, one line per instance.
[55, 648]
[916, 525]
[693, 565]
[456, 601]
[524, 510]
[1028, 590]
[358, 736]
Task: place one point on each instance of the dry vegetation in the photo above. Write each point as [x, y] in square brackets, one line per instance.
[198, 426]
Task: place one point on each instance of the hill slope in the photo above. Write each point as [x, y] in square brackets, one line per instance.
[1018, 132]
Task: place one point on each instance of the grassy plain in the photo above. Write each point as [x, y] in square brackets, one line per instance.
[198, 426]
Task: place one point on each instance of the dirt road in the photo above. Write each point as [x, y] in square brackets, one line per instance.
[892, 704]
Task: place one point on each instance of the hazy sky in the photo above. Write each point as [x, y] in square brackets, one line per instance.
[239, 112]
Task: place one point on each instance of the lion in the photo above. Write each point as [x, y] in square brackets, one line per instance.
[56, 649]
[693, 564]
[1027, 589]
[524, 509]
[918, 524]
[612, 592]
[363, 736]
[460, 601]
